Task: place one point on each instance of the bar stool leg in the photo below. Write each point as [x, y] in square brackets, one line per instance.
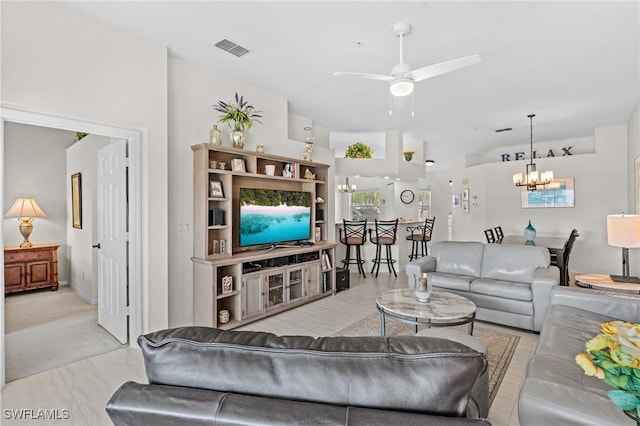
[376, 260]
[360, 262]
[390, 261]
[347, 256]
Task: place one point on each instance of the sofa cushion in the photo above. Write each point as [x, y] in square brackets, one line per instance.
[503, 289]
[458, 257]
[509, 262]
[451, 281]
[333, 370]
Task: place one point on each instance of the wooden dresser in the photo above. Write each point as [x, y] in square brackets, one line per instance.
[30, 268]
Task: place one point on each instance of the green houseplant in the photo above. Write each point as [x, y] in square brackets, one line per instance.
[239, 116]
[358, 150]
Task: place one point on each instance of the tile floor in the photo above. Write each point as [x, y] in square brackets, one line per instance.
[76, 394]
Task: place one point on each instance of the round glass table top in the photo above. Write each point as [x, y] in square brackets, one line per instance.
[442, 306]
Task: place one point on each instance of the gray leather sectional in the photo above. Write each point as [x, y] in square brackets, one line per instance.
[510, 284]
[556, 391]
[200, 375]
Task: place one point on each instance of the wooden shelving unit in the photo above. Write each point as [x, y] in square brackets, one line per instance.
[259, 288]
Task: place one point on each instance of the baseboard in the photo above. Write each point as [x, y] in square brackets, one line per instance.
[84, 296]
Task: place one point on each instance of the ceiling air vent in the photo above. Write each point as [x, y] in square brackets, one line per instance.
[506, 129]
[231, 47]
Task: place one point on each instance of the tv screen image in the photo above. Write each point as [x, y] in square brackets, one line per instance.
[271, 216]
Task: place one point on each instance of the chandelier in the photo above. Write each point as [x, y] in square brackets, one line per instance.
[345, 187]
[531, 178]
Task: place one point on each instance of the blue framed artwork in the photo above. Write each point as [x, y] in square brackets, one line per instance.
[559, 193]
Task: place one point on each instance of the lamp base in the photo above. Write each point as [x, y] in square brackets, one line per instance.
[623, 279]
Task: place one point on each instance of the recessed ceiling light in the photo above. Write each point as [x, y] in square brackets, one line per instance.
[429, 163]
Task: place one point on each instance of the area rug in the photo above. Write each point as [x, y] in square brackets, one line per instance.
[500, 345]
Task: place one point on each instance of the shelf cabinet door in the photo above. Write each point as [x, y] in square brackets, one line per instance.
[296, 288]
[38, 274]
[274, 289]
[252, 296]
[312, 278]
[13, 277]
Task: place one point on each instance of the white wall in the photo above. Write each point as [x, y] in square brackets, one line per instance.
[82, 158]
[34, 166]
[62, 63]
[600, 189]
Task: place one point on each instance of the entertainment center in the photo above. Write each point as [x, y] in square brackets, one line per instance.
[259, 244]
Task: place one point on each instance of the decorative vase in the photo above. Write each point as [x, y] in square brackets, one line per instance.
[529, 232]
[308, 139]
[238, 138]
[408, 156]
[215, 135]
[423, 288]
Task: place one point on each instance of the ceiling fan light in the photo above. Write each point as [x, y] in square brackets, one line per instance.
[401, 87]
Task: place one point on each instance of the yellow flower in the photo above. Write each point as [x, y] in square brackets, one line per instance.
[621, 357]
[584, 361]
[629, 338]
[599, 342]
[611, 328]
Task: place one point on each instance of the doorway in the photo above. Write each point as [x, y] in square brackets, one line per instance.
[132, 137]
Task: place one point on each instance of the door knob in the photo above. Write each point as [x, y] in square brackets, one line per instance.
[96, 246]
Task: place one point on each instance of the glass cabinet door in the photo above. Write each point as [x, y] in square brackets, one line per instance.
[275, 289]
[295, 285]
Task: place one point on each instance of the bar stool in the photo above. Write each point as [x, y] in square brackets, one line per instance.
[355, 234]
[491, 238]
[499, 234]
[385, 236]
[419, 236]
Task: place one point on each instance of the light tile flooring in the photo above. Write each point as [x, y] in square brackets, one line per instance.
[83, 388]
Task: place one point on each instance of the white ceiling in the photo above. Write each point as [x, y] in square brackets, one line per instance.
[575, 64]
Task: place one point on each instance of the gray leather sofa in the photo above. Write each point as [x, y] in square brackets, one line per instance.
[510, 284]
[200, 375]
[556, 390]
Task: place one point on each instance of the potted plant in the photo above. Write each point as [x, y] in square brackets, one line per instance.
[408, 155]
[239, 116]
[358, 150]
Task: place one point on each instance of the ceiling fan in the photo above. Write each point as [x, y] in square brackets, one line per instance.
[402, 77]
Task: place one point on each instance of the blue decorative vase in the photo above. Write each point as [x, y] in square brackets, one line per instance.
[529, 232]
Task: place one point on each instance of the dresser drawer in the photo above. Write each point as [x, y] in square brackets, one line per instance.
[28, 256]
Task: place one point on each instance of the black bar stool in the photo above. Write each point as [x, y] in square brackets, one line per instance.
[491, 238]
[419, 236]
[355, 234]
[385, 236]
[499, 234]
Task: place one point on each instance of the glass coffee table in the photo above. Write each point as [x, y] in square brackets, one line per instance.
[443, 309]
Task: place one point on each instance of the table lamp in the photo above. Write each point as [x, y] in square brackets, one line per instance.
[623, 230]
[25, 209]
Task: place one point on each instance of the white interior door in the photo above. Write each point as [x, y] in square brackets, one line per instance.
[113, 310]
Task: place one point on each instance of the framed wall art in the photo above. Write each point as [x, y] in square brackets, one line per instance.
[76, 200]
[559, 193]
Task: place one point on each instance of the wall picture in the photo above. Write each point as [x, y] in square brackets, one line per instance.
[76, 200]
[559, 193]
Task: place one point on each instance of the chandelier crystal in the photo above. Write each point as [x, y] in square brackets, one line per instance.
[531, 179]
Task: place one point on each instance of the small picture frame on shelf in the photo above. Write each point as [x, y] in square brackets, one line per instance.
[289, 170]
[215, 189]
[227, 284]
[237, 165]
[318, 234]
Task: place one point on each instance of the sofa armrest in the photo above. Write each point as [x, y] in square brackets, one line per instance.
[416, 267]
[544, 280]
[616, 305]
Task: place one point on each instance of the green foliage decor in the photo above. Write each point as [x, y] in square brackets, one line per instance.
[358, 150]
[238, 115]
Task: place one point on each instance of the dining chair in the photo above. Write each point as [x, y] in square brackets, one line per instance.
[499, 234]
[385, 235]
[355, 235]
[491, 238]
[563, 264]
[419, 236]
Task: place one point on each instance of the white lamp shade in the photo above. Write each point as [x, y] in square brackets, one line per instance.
[623, 230]
[25, 207]
[517, 178]
[401, 87]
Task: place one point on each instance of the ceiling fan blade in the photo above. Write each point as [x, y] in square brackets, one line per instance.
[444, 67]
[364, 75]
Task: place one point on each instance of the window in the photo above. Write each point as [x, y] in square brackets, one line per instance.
[424, 203]
[365, 204]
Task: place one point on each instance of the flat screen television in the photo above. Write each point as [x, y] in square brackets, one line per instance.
[272, 216]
